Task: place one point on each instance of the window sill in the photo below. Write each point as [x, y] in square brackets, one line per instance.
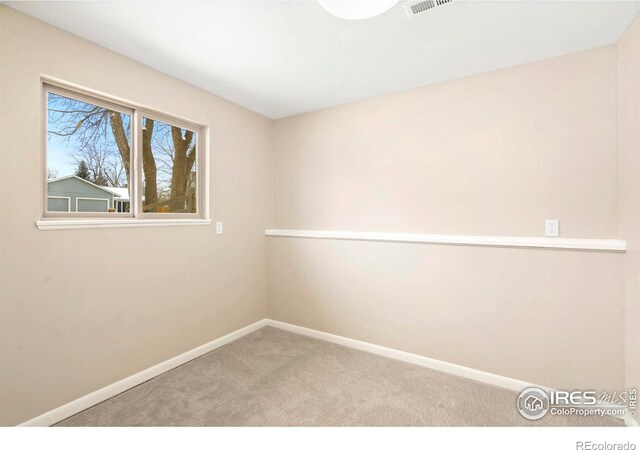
[79, 224]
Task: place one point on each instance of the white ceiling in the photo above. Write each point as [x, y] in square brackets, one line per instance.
[281, 58]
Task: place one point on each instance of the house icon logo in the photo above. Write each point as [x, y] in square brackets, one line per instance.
[533, 403]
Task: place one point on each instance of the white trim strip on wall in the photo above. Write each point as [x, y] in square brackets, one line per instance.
[423, 361]
[431, 363]
[74, 407]
[65, 411]
[605, 245]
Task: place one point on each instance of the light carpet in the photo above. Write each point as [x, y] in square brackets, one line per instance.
[276, 378]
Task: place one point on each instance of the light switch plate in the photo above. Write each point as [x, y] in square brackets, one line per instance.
[551, 227]
[218, 227]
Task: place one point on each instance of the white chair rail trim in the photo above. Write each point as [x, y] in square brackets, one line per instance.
[603, 245]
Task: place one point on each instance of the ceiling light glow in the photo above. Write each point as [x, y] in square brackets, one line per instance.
[357, 9]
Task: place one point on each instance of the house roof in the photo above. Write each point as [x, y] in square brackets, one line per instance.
[121, 193]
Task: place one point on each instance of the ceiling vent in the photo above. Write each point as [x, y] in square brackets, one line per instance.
[414, 8]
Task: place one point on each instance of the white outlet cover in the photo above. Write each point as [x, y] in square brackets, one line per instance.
[218, 227]
[551, 227]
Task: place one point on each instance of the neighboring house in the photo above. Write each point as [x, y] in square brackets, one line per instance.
[74, 194]
[121, 200]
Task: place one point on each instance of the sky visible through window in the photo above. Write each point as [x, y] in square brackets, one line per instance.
[81, 133]
[94, 143]
[60, 162]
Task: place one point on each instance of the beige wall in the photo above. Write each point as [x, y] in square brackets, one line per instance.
[495, 154]
[162, 290]
[629, 188]
[492, 154]
[554, 318]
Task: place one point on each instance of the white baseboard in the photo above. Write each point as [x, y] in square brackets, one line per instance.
[436, 364]
[65, 411]
[424, 361]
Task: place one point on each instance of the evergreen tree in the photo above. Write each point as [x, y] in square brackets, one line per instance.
[83, 171]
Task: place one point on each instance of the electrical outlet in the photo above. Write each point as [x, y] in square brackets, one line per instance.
[551, 227]
[218, 227]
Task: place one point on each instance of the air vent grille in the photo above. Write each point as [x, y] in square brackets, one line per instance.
[414, 8]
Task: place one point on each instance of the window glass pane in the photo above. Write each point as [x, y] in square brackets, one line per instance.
[88, 157]
[168, 168]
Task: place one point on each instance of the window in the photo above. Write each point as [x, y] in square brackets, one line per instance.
[169, 168]
[107, 159]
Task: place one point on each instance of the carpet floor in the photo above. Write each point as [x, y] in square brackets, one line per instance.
[276, 378]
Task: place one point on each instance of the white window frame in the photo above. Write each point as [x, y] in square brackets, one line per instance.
[136, 217]
[59, 197]
[75, 94]
[136, 207]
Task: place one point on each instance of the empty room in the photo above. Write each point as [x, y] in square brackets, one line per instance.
[324, 214]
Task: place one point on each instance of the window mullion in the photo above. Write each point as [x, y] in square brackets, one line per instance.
[136, 184]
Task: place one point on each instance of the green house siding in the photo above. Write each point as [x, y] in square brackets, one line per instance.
[89, 198]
